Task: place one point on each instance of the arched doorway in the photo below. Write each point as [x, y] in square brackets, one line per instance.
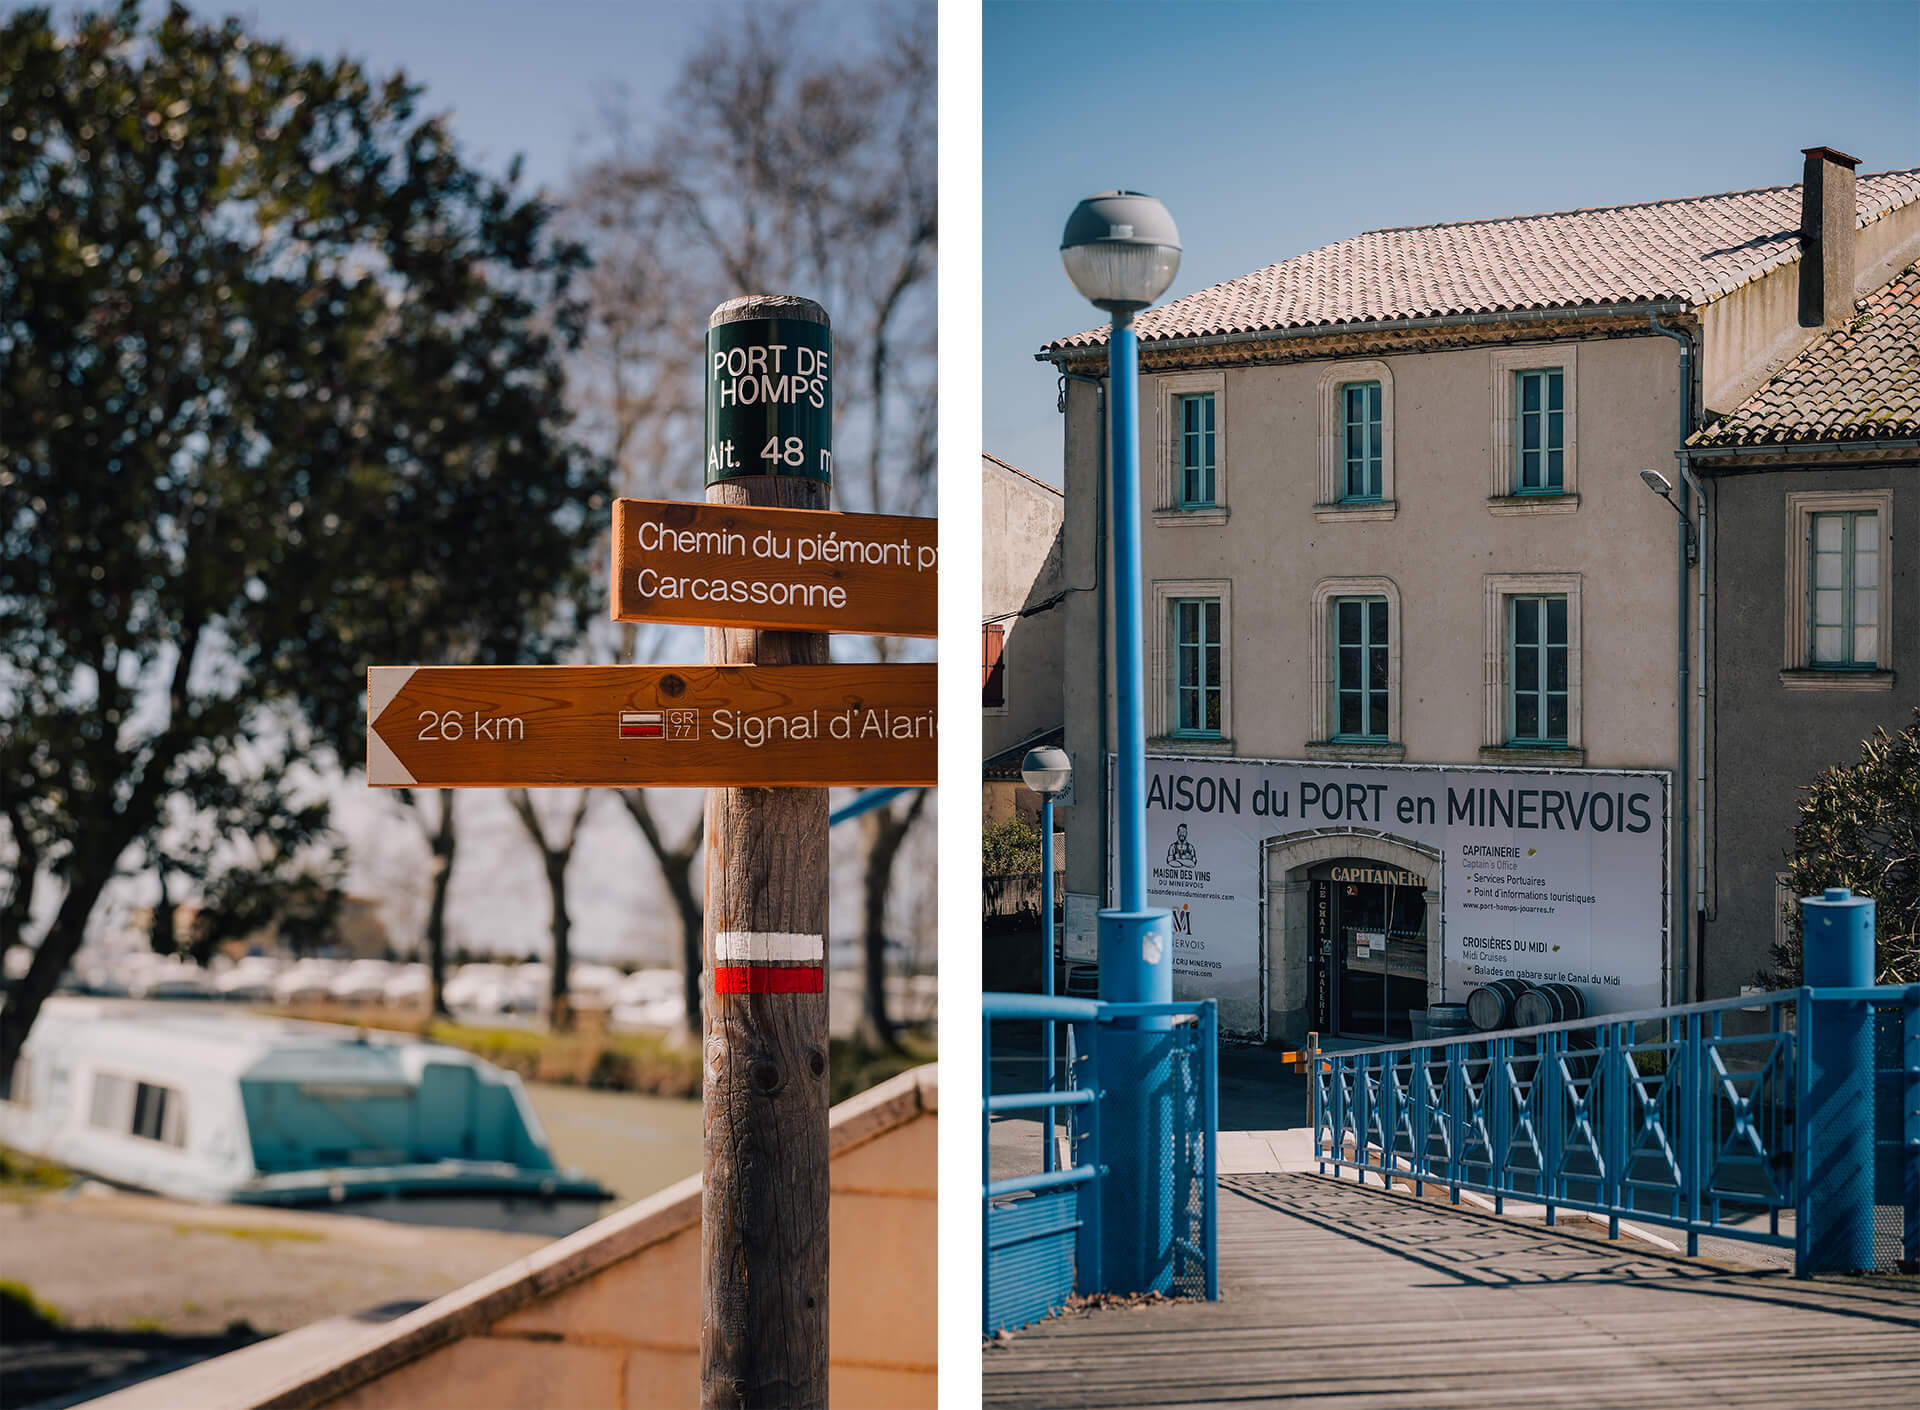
[1353, 934]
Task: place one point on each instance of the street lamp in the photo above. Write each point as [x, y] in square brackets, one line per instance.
[1660, 485]
[1048, 772]
[1121, 251]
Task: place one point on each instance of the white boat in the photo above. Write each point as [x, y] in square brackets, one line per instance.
[211, 1105]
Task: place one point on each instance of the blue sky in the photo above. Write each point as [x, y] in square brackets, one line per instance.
[1273, 128]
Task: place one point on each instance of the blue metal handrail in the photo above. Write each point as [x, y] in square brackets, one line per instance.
[1672, 1117]
[1037, 1224]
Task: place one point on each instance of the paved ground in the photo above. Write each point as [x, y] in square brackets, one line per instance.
[1336, 1294]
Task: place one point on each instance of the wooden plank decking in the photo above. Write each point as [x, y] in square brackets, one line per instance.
[1332, 1294]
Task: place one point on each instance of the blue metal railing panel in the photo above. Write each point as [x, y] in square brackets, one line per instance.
[1030, 1253]
[1043, 1231]
[1694, 1118]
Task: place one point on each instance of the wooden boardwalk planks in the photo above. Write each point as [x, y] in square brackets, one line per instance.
[1334, 1294]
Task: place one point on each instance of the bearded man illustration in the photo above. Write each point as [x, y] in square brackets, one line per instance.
[1181, 853]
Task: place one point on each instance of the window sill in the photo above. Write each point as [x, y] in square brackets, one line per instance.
[1811, 678]
[1212, 515]
[1510, 505]
[1355, 752]
[1191, 744]
[1545, 755]
[1358, 511]
[993, 709]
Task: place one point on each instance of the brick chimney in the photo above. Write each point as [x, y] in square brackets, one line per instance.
[1826, 238]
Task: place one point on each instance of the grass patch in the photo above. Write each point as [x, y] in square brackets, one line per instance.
[853, 1066]
[28, 1172]
[265, 1235]
[23, 1315]
[653, 1064]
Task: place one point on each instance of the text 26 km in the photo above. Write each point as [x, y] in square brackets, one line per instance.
[454, 725]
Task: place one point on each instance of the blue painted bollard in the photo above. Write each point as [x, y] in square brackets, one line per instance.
[1836, 1229]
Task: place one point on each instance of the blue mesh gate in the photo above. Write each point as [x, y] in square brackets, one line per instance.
[1049, 1233]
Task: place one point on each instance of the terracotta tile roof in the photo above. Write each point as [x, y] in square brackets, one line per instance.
[1858, 383]
[1691, 250]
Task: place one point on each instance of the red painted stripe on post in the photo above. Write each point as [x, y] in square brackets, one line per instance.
[768, 979]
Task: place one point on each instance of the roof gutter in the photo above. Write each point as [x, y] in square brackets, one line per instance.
[1380, 325]
[1795, 448]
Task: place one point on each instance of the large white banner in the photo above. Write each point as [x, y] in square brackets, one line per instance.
[1546, 875]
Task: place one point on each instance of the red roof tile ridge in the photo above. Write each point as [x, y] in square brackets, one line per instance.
[1620, 206]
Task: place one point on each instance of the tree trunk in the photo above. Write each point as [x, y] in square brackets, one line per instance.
[560, 1000]
[693, 929]
[886, 833]
[676, 868]
[555, 856]
[50, 961]
[18, 907]
[441, 841]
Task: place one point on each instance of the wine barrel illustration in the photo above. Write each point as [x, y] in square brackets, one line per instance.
[1491, 1005]
[1448, 1021]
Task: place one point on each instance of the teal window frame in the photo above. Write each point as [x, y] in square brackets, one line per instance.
[1362, 442]
[1361, 670]
[1198, 668]
[1539, 431]
[1845, 605]
[1197, 482]
[1532, 656]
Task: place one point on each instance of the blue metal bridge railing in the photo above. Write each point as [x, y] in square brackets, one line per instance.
[1044, 1237]
[1707, 1118]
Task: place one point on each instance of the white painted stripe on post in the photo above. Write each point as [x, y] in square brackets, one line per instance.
[765, 946]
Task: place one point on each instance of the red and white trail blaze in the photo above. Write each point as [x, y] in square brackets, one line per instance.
[768, 962]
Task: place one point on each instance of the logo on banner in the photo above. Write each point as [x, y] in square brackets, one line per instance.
[1182, 853]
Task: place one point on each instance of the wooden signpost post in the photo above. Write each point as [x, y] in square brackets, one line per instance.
[763, 1201]
[766, 726]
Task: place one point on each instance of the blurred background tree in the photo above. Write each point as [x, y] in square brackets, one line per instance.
[784, 166]
[282, 395]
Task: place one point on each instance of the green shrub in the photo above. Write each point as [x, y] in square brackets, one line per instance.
[22, 1315]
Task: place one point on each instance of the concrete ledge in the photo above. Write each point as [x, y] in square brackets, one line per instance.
[313, 1365]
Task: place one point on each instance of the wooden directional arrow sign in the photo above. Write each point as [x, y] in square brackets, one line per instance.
[651, 726]
[719, 565]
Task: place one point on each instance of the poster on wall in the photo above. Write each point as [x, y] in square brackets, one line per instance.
[1548, 875]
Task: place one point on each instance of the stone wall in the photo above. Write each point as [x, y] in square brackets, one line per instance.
[610, 1317]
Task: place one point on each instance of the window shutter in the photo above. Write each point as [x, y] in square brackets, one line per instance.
[993, 684]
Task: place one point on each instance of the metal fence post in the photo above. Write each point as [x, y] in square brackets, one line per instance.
[986, 1172]
[1838, 950]
[1093, 1194]
[1696, 1112]
[1210, 1037]
[1910, 1105]
[1499, 1120]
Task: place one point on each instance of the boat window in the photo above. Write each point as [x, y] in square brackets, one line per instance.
[144, 1109]
[19, 1089]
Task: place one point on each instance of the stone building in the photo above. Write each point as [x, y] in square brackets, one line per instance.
[1405, 582]
[1813, 492]
[1022, 631]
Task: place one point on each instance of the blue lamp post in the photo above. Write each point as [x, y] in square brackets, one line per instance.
[1121, 250]
[1047, 771]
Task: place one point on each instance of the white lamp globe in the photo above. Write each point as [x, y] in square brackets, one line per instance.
[1121, 250]
[1046, 771]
